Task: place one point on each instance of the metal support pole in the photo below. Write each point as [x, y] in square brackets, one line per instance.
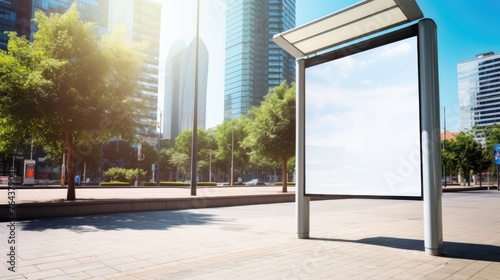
[63, 170]
[194, 146]
[430, 130]
[302, 201]
[232, 153]
[444, 144]
[498, 179]
[159, 152]
[84, 178]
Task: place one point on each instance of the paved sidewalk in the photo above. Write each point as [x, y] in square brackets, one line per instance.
[350, 239]
[52, 194]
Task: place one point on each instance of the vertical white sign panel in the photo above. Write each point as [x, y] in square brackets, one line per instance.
[362, 130]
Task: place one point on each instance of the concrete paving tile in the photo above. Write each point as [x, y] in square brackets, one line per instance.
[43, 260]
[59, 264]
[94, 258]
[22, 269]
[361, 238]
[44, 274]
[13, 277]
[83, 267]
[101, 271]
[72, 276]
[131, 266]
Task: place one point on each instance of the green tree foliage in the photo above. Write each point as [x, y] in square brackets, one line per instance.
[116, 174]
[271, 130]
[492, 134]
[180, 153]
[449, 159]
[227, 133]
[68, 87]
[467, 153]
[150, 156]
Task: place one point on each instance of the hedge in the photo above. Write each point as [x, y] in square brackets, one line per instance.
[288, 184]
[102, 184]
[180, 184]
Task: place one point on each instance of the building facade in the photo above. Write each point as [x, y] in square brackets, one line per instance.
[15, 15]
[177, 103]
[479, 91]
[254, 64]
[142, 22]
[90, 10]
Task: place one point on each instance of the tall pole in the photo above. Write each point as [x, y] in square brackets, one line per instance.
[302, 202]
[159, 151]
[194, 146]
[210, 170]
[429, 125]
[31, 150]
[63, 170]
[232, 152]
[444, 145]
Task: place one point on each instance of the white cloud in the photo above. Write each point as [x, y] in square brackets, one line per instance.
[345, 65]
[395, 50]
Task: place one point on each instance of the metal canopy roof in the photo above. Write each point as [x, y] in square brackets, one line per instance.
[357, 21]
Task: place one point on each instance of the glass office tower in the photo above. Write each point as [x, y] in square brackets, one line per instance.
[90, 10]
[142, 22]
[254, 63]
[15, 15]
[479, 91]
[141, 19]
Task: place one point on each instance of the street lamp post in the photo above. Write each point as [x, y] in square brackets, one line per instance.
[444, 144]
[194, 146]
[232, 152]
[159, 151]
[210, 170]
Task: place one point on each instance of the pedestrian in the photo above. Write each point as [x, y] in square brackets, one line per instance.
[87, 181]
[77, 180]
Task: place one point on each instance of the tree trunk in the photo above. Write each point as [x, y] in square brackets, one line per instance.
[284, 162]
[71, 170]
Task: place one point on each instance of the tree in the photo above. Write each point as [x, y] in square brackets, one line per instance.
[180, 153]
[271, 131]
[449, 158]
[468, 153]
[229, 133]
[67, 87]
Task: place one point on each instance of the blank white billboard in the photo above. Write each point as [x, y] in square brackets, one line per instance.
[362, 130]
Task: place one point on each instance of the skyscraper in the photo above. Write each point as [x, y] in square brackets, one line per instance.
[141, 19]
[14, 16]
[254, 63]
[479, 91]
[90, 10]
[142, 22]
[177, 103]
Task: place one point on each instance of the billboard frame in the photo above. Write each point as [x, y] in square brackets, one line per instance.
[380, 41]
[429, 130]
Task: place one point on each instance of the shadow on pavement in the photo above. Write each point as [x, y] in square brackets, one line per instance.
[456, 250]
[154, 220]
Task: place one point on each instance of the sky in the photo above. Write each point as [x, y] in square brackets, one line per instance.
[465, 28]
[349, 115]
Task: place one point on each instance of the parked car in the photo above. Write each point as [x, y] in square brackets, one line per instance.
[255, 182]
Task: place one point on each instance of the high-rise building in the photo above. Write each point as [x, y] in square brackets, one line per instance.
[90, 10]
[178, 100]
[479, 91]
[254, 63]
[142, 22]
[15, 15]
